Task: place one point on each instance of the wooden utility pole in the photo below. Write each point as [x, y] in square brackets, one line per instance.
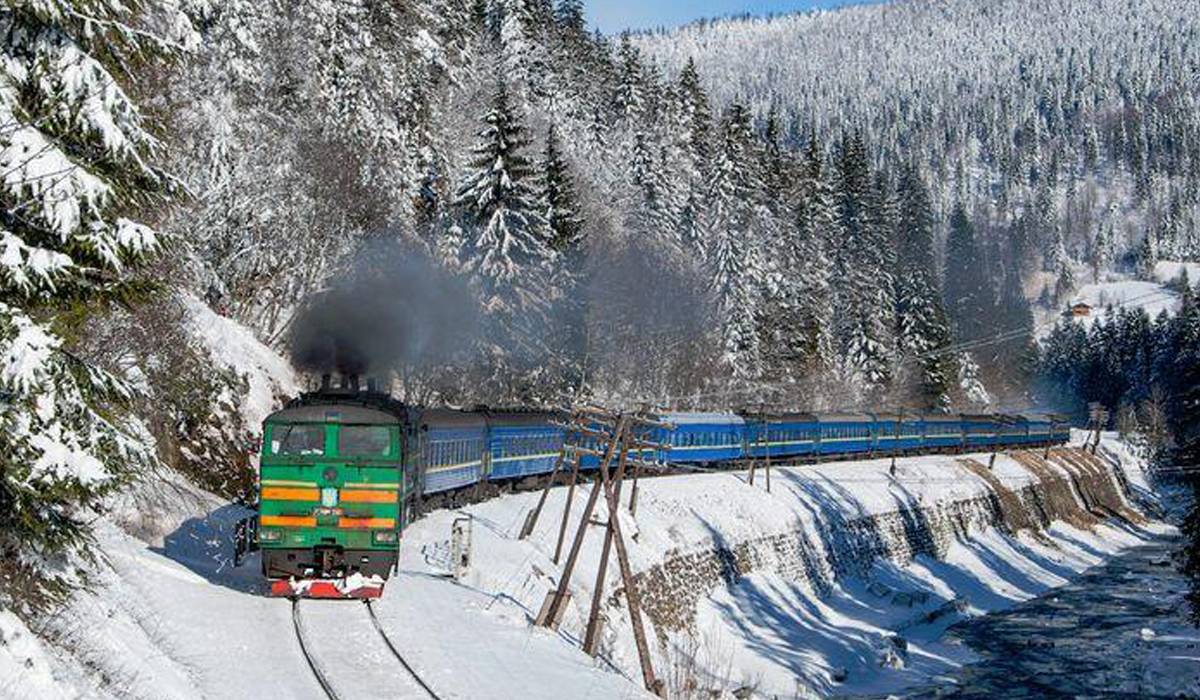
[632, 597]
[562, 527]
[552, 611]
[896, 441]
[1097, 420]
[762, 440]
[592, 635]
[563, 455]
[630, 443]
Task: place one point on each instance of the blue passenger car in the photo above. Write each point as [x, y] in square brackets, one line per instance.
[702, 438]
[942, 431]
[845, 433]
[897, 431]
[450, 446]
[522, 444]
[781, 436]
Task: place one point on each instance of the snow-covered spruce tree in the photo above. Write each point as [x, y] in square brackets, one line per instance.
[523, 29]
[76, 156]
[734, 265]
[559, 203]
[797, 317]
[695, 120]
[506, 251]
[923, 333]
[862, 293]
[968, 292]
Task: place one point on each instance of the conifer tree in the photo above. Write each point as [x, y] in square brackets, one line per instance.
[695, 122]
[797, 320]
[522, 30]
[559, 204]
[570, 16]
[77, 156]
[922, 329]
[559, 200]
[969, 297]
[863, 293]
[507, 237]
[734, 264]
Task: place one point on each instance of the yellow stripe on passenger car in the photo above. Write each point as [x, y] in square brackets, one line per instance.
[368, 497]
[278, 494]
[287, 521]
[448, 467]
[280, 482]
[518, 458]
[382, 487]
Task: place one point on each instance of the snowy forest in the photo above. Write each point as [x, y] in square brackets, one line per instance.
[838, 210]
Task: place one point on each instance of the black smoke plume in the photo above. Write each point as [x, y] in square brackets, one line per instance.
[393, 308]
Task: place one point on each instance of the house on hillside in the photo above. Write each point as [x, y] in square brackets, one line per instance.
[1079, 309]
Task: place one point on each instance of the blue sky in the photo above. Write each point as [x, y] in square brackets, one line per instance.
[613, 16]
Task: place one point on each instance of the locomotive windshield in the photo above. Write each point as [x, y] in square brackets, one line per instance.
[365, 441]
[298, 439]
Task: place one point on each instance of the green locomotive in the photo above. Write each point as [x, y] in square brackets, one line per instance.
[332, 493]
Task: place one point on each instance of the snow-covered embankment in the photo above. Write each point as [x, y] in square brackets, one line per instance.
[842, 579]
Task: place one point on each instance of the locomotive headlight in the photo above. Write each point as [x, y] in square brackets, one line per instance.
[384, 537]
[269, 535]
[329, 497]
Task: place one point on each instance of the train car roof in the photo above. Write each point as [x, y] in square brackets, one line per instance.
[941, 418]
[893, 416]
[349, 414]
[450, 418]
[979, 418]
[520, 418]
[780, 417]
[698, 418]
[844, 418]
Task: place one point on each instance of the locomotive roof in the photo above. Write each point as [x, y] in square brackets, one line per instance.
[333, 413]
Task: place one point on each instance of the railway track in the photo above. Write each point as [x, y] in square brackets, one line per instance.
[305, 647]
[396, 652]
[375, 678]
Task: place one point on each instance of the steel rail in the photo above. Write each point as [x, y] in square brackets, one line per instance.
[396, 652]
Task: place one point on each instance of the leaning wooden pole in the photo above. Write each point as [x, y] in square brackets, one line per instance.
[564, 583]
[562, 527]
[531, 521]
[591, 637]
[632, 597]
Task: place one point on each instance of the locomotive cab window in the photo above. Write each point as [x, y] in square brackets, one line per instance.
[298, 439]
[364, 441]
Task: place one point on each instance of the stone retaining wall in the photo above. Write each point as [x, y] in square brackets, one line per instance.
[1073, 487]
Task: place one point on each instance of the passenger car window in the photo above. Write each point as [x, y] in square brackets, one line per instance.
[364, 441]
[298, 439]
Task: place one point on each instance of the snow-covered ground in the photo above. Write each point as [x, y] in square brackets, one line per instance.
[1168, 271]
[1128, 294]
[1115, 292]
[171, 617]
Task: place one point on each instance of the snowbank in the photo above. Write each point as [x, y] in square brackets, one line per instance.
[235, 347]
[26, 669]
